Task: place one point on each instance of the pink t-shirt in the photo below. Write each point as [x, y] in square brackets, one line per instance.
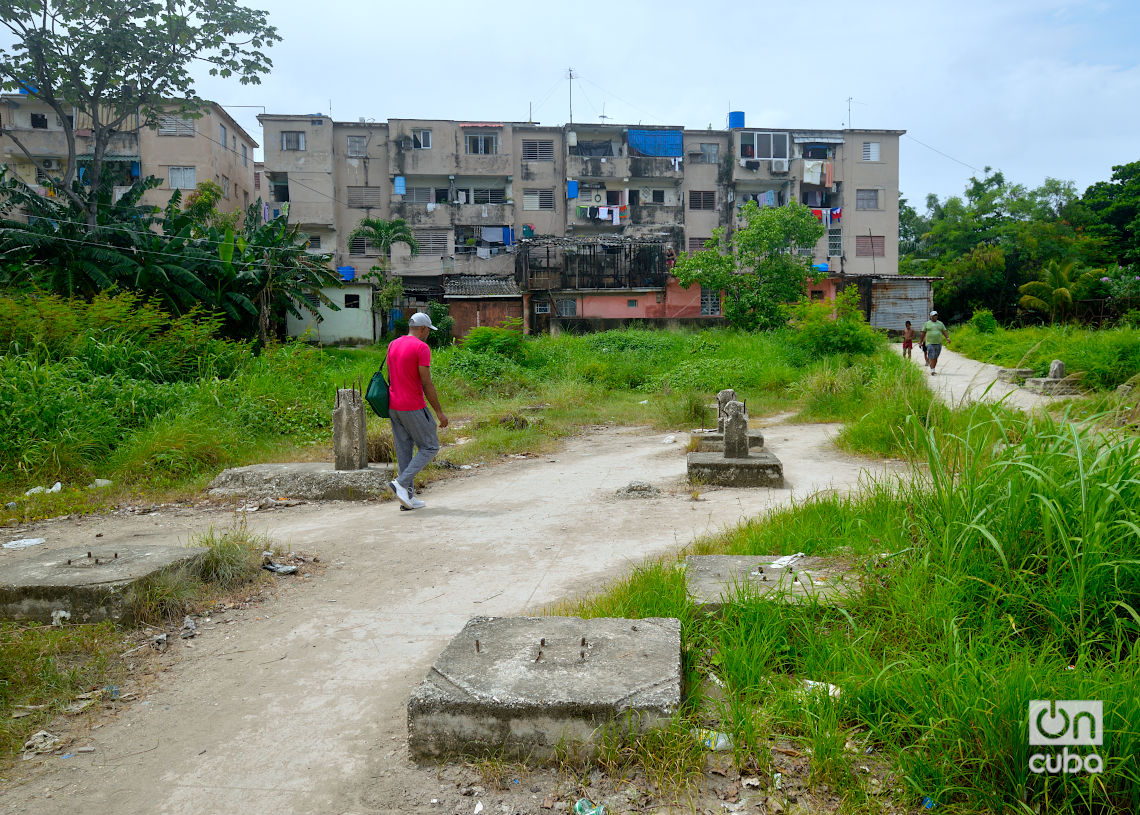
[405, 356]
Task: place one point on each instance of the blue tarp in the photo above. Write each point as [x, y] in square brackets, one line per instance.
[346, 272]
[571, 189]
[508, 235]
[820, 267]
[401, 185]
[656, 142]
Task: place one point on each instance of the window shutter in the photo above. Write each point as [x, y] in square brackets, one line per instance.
[537, 150]
[867, 246]
[870, 151]
[364, 197]
[431, 241]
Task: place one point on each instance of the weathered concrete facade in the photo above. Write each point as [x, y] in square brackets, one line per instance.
[182, 151]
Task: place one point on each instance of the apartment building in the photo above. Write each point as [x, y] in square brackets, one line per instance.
[182, 150]
[521, 200]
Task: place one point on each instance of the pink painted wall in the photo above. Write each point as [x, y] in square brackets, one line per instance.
[678, 303]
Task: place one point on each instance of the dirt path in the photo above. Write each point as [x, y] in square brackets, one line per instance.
[961, 380]
[300, 708]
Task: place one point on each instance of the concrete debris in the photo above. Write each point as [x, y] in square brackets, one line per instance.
[279, 568]
[24, 543]
[13, 504]
[100, 483]
[56, 487]
[34, 491]
[39, 743]
[637, 489]
[670, 439]
[58, 616]
[189, 628]
[159, 643]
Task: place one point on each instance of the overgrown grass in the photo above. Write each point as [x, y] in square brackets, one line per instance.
[1107, 357]
[1003, 569]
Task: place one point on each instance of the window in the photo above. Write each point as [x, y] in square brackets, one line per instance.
[710, 302]
[233, 142]
[488, 196]
[538, 199]
[352, 301]
[292, 139]
[870, 151]
[171, 125]
[39, 121]
[537, 150]
[869, 246]
[183, 178]
[421, 139]
[245, 198]
[244, 156]
[566, 307]
[866, 199]
[364, 197]
[541, 308]
[42, 176]
[804, 251]
[278, 186]
[631, 303]
[483, 145]
[361, 246]
[835, 241]
[816, 294]
[763, 145]
[418, 195]
[257, 180]
[697, 244]
[702, 199]
[222, 135]
[658, 196]
[710, 153]
[314, 241]
[431, 241]
[225, 186]
[357, 145]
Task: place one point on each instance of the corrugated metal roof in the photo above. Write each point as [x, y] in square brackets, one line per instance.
[899, 298]
[481, 286]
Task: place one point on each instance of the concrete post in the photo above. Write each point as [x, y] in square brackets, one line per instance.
[1056, 369]
[350, 433]
[723, 398]
[735, 431]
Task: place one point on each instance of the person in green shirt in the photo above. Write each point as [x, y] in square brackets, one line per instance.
[934, 335]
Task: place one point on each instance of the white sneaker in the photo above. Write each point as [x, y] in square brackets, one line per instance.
[417, 503]
[401, 494]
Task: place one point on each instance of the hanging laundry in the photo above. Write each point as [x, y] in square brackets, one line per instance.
[508, 236]
[616, 217]
[484, 210]
[604, 213]
[836, 213]
[829, 173]
[492, 234]
[431, 207]
[818, 213]
[592, 213]
[770, 198]
[483, 253]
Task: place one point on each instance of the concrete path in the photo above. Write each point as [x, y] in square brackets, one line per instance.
[299, 706]
[961, 380]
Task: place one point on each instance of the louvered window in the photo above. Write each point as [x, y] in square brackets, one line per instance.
[431, 241]
[488, 196]
[870, 151]
[697, 244]
[171, 125]
[361, 246]
[869, 246]
[364, 197]
[866, 199]
[538, 199]
[702, 199]
[710, 302]
[418, 195]
[183, 178]
[314, 241]
[537, 150]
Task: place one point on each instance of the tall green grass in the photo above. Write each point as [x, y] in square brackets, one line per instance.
[1002, 569]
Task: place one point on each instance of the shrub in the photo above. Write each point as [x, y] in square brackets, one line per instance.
[505, 342]
[837, 327]
[983, 321]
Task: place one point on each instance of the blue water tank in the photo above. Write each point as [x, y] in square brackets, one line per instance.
[735, 119]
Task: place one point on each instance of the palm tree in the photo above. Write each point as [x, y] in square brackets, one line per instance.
[1061, 284]
[382, 234]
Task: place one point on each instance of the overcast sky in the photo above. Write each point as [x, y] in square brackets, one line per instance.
[1034, 88]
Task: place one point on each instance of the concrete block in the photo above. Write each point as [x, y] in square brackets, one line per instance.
[350, 431]
[314, 481]
[760, 469]
[524, 686]
[712, 441]
[86, 589]
[714, 580]
[1053, 387]
[1014, 375]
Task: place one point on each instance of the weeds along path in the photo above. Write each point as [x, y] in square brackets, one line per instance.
[962, 381]
[303, 709]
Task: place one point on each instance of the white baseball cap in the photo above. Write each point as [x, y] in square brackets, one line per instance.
[420, 319]
[932, 314]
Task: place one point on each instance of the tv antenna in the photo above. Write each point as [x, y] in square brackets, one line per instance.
[570, 76]
[603, 115]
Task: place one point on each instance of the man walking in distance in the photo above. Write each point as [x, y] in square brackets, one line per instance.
[933, 336]
[409, 366]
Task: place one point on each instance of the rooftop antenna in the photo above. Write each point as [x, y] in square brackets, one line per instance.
[850, 99]
[603, 115]
[530, 112]
[570, 76]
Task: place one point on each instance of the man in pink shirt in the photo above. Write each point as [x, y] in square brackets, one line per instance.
[409, 367]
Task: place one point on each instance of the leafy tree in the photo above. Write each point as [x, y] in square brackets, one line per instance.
[202, 207]
[1059, 287]
[757, 268]
[973, 280]
[1114, 207]
[384, 235]
[120, 63]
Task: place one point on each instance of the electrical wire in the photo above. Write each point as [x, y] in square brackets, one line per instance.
[947, 155]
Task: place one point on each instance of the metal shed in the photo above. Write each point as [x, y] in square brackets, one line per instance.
[890, 300]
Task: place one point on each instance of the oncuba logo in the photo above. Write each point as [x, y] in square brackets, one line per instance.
[1064, 723]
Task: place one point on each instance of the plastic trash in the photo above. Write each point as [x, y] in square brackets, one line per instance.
[811, 686]
[478, 807]
[279, 568]
[928, 802]
[58, 616]
[777, 781]
[34, 491]
[584, 806]
[713, 739]
[56, 487]
[41, 742]
[786, 561]
[24, 543]
[670, 439]
[100, 483]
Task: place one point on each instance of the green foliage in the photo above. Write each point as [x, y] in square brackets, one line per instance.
[1061, 284]
[441, 318]
[232, 559]
[836, 327]
[505, 342]
[759, 271]
[1114, 213]
[983, 321]
[383, 235]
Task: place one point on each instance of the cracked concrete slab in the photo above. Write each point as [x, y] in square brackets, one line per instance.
[715, 580]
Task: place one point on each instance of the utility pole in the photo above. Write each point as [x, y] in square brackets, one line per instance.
[849, 100]
[570, 74]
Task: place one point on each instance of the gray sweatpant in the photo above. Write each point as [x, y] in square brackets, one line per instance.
[413, 427]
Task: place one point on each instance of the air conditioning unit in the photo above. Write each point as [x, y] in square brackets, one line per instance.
[779, 165]
[50, 163]
[405, 142]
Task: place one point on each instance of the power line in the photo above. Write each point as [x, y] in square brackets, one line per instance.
[946, 155]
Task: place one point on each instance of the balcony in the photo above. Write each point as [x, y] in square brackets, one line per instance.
[309, 212]
[472, 214]
[591, 167]
[761, 169]
[579, 216]
[654, 167]
[423, 214]
[656, 215]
